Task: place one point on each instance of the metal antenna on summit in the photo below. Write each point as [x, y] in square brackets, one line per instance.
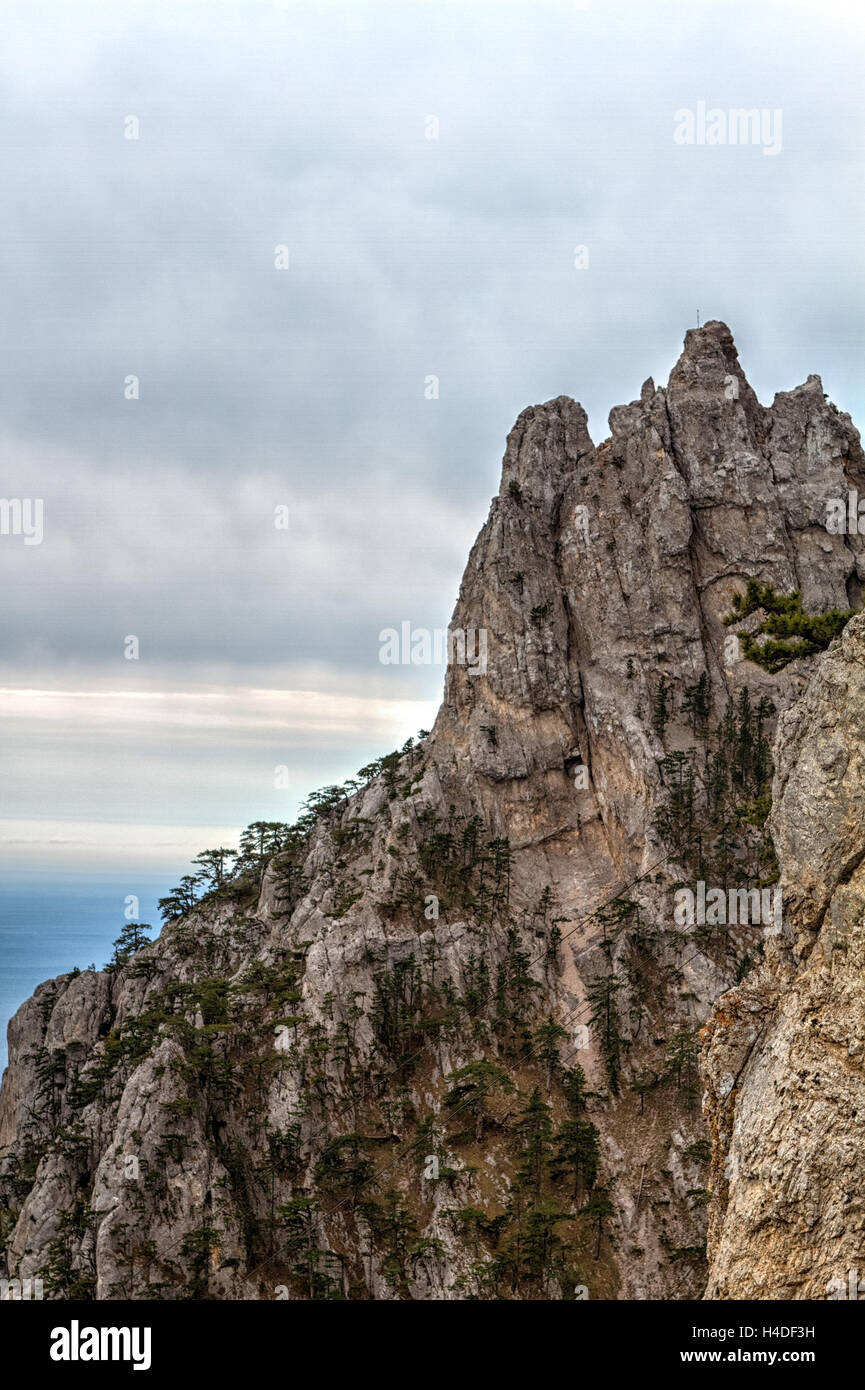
[698, 318]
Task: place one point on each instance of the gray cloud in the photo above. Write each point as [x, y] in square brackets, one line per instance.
[304, 125]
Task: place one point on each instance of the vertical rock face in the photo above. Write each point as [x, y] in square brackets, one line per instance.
[351, 1071]
[784, 1056]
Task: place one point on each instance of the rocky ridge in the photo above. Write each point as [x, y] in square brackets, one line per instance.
[442, 1042]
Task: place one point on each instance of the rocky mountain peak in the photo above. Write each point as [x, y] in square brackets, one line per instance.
[476, 941]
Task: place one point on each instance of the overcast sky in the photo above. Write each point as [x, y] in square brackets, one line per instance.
[306, 126]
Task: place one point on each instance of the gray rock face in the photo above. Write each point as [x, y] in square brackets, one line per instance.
[248, 1107]
[789, 1217]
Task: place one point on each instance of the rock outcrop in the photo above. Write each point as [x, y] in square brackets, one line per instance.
[785, 1050]
[439, 1041]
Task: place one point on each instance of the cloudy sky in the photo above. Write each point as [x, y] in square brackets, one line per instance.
[307, 127]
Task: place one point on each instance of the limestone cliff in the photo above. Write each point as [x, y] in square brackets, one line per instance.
[439, 1040]
[785, 1050]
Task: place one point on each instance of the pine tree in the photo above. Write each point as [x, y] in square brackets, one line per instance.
[601, 995]
[180, 900]
[298, 1218]
[474, 1085]
[727, 728]
[697, 704]
[213, 867]
[577, 1153]
[744, 738]
[344, 1167]
[131, 939]
[599, 1208]
[716, 785]
[534, 1128]
[681, 1064]
[574, 1087]
[547, 1039]
[541, 1244]
[259, 842]
[661, 707]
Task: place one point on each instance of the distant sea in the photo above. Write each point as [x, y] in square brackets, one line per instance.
[51, 923]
